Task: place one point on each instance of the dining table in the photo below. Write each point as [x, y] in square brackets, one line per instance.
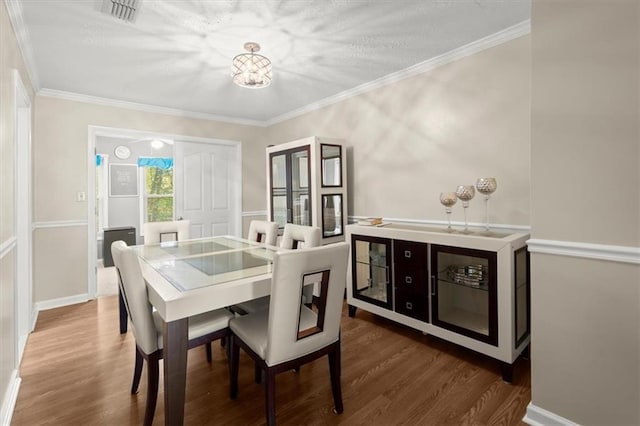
[189, 277]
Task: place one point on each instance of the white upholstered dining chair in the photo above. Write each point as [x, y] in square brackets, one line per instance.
[289, 334]
[147, 324]
[171, 230]
[294, 237]
[300, 236]
[263, 231]
[297, 237]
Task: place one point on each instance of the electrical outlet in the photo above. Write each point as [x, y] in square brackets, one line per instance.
[81, 196]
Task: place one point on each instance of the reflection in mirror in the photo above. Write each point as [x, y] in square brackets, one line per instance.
[278, 171]
[331, 215]
[331, 165]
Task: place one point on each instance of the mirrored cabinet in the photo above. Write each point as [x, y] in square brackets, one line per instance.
[307, 185]
[471, 289]
[463, 292]
[290, 186]
[372, 266]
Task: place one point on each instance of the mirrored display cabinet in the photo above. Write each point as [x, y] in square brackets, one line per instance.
[307, 185]
[472, 289]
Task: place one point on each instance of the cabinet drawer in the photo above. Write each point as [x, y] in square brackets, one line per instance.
[413, 279]
[412, 304]
[410, 252]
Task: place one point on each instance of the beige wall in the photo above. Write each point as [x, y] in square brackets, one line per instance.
[429, 132]
[585, 161]
[10, 59]
[413, 139]
[60, 171]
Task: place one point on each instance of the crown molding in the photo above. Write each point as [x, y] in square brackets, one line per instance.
[96, 100]
[472, 48]
[508, 34]
[14, 9]
[609, 253]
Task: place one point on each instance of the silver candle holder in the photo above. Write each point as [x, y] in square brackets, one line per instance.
[465, 193]
[486, 186]
[448, 200]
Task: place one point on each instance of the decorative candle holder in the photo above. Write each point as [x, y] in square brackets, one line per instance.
[448, 200]
[465, 193]
[486, 186]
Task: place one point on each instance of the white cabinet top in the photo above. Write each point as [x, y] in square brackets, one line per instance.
[492, 240]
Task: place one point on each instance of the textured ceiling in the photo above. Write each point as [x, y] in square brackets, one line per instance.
[177, 54]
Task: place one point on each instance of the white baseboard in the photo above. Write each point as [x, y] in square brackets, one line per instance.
[34, 318]
[537, 416]
[62, 301]
[10, 398]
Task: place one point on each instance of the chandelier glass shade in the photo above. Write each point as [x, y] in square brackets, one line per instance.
[250, 69]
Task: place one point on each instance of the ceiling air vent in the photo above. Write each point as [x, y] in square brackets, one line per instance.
[122, 9]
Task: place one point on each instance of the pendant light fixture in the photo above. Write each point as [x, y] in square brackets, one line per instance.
[250, 69]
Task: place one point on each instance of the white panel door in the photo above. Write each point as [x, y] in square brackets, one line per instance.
[208, 189]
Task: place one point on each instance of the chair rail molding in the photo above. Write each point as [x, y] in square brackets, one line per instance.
[536, 416]
[59, 224]
[610, 253]
[7, 245]
[254, 213]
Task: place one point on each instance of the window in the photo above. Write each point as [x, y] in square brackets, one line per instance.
[157, 199]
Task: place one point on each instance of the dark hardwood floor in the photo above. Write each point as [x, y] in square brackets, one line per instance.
[77, 370]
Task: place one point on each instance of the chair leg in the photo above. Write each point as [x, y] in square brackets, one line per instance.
[270, 397]
[208, 348]
[336, 388]
[153, 372]
[122, 310]
[234, 348]
[137, 371]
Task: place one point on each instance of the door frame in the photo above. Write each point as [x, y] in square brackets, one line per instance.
[97, 131]
[23, 302]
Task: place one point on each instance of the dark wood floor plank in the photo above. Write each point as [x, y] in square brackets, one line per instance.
[77, 370]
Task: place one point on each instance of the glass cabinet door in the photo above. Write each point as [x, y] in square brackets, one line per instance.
[331, 165]
[371, 265]
[301, 204]
[279, 189]
[464, 293]
[290, 192]
[331, 215]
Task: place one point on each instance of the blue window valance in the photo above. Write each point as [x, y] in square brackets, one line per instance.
[163, 163]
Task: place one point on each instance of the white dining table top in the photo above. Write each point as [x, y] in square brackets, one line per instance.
[185, 278]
